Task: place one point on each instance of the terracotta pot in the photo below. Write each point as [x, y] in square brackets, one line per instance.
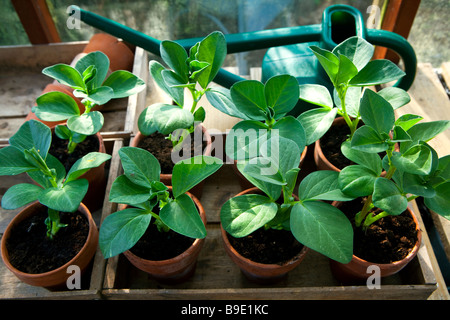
[356, 270]
[260, 272]
[120, 55]
[96, 178]
[245, 184]
[52, 87]
[166, 178]
[59, 276]
[177, 269]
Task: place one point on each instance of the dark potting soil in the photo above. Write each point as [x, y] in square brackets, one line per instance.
[31, 251]
[155, 245]
[267, 246]
[331, 143]
[387, 240]
[58, 149]
[161, 148]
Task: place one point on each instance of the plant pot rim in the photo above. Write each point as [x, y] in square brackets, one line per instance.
[196, 245]
[412, 253]
[24, 213]
[266, 266]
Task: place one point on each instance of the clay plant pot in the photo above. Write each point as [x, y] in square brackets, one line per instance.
[176, 269]
[96, 178]
[166, 178]
[357, 270]
[57, 277]
[245, 184]
[260, 272]
[51, 87]
[120, 55]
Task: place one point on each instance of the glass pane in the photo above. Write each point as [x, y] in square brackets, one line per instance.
[11, 29]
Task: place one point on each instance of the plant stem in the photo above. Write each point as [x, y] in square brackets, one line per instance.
[53, 223]
[71, 146]
[360, 216]
[342, 92]
[372, 217]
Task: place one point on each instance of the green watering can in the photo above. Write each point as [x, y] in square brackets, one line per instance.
[288, 48]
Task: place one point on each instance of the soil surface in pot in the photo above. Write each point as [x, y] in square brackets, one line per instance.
[58, 149]
[156, 246]
[387, 240]
[161, 148]
[267, 246]
[331, 143]
[31, 251]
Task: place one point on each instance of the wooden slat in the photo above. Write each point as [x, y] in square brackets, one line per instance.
[37, 21]
[398, 18]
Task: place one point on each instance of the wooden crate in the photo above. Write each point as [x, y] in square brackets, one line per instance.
[217, 277]
[22, 81]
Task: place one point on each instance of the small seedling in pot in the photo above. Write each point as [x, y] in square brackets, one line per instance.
[314, 223]
[54, 188]
[192, 73]
[350, 70]
[87, 78]
[141, 189]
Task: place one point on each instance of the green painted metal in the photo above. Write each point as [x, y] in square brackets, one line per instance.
[288, 48]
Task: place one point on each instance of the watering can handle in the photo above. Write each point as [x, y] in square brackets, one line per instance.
[401, 46]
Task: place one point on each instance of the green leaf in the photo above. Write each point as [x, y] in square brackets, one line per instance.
[400, 135]
[63, 132]
[65, 74]
[199, 115]
[264, 169]
[66, 198]
[173, 80]
[417, 185]
[282, 92]
[328, 60]
[441, 202]
[54, 164]
[425, 131]
[273, 191]
[123, 190]
[316, 94]
[371, 161]
[377, 72]
[377, 112]
[13, 162]
[189, 172]
[416, 160]
[146, 121]
[89, 161]
[31, 134]
[101, 63]
[324, 229]
[357, 181]
[397, 97]
[352, 101]
[175, 56]
[347, 70]
[221, 100]
[100, 95]
[290, 128]
[388, 197]
[357, 49]
[212, 49]
[321, 185]
[197, 67]
[406, 121]
[87, 124]
[181, 215]
[124, 83]
[55, 106]
[140, 166]
[169, 118]
[244, 139]
[244, 214]
[368, 140]
[248, 96]
[121, 230]
[19, 195]
[176, 93]
[316, 123]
